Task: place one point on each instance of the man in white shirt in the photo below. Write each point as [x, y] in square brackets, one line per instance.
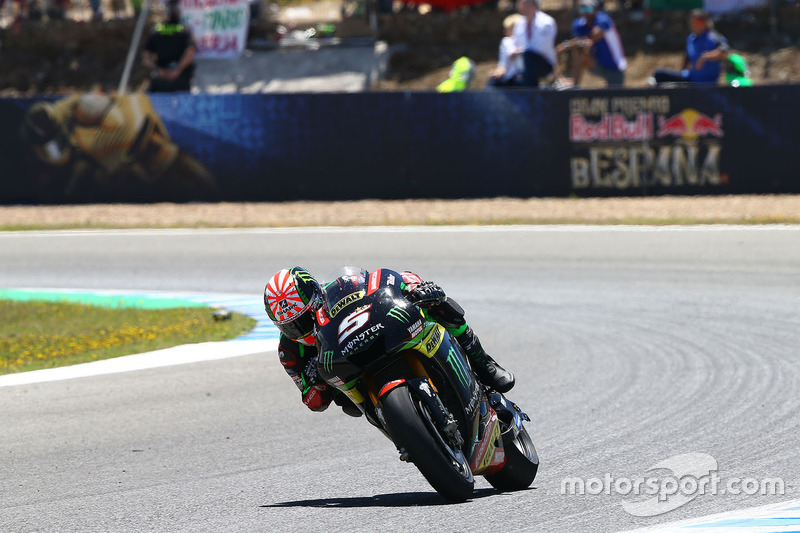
[535, 39]
[508, 72]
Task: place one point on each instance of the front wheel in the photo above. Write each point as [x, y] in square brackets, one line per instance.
[522, 463]
[411, 427]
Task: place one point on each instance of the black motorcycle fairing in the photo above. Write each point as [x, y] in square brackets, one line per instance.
[365, 316]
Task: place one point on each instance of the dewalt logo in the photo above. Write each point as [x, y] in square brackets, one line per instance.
[344, 302]
[431, 342]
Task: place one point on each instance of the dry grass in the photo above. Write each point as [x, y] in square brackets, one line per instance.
[740, 209]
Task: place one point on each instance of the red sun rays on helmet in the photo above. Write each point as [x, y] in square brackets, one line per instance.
[283, 301]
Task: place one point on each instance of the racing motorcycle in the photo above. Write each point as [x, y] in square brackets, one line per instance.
[411, 380]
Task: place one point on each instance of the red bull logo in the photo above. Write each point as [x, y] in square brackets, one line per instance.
[690, 124]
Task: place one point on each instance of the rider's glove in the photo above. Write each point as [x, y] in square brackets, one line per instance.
[426, 294]
[317, 397]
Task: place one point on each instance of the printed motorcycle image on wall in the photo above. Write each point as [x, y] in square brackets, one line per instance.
[412, 382]
[96, 147]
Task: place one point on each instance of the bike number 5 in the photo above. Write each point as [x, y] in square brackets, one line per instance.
[353, 322]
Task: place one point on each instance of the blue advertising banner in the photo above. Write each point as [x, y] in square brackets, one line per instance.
[277, 147]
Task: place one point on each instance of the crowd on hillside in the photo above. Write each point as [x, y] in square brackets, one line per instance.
[529, 56]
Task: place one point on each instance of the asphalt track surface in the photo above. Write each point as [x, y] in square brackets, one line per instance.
[630, 346]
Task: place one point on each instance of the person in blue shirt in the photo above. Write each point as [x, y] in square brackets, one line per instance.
[595, 45]
[703, 61]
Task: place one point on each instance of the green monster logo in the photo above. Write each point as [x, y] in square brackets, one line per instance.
[327, 361]
[304, 275]
[398, 313]
[457, 363]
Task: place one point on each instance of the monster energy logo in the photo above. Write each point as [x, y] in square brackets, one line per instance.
[400, 314]
[457, 363]
[303, 274]
[327, 360]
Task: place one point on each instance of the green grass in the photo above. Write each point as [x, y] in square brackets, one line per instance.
[35, 335]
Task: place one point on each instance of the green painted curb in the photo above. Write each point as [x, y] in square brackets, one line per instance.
[137, 301]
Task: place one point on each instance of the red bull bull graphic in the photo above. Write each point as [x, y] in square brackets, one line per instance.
[643, 145]
[690, 124]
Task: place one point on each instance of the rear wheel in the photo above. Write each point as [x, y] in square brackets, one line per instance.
[522, 463]
[411, 428]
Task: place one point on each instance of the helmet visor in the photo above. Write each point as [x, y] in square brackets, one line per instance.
[299, 328]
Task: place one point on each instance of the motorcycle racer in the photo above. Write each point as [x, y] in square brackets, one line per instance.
[292, 298]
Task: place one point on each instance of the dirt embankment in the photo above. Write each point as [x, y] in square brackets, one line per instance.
[745, 209]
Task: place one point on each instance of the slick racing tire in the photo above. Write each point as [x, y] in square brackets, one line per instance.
[522, 463]
[411, 428]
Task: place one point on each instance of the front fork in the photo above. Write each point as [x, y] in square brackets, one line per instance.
[423, 391]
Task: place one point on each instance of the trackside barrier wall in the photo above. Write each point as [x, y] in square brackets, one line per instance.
[276, 147]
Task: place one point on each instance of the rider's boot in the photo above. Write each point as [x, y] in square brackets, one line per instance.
[488, 371]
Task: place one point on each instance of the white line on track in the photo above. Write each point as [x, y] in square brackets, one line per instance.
[773, 518]
[405, 229]
[178, 355]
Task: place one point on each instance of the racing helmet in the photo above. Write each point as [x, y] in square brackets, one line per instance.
[291, 299]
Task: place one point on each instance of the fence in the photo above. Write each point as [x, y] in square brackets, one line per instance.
[277, 147]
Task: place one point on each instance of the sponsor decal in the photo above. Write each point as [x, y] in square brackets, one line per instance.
[398, 313]
[424, 386]
[473, 402]
[485, 450]
[362, 339]
[621, 143]
[390, 279]
[327, 360]
[459, 366]
[304, 275]
[415, 329]
[322, 318]
[611, 127]
[374, 282]
[344, 302]
[432, 341]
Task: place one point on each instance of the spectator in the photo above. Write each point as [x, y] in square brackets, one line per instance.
[169, 52]
[96, 13]
[736, 72]
[703, 47]
[508, 72]
[535, 37]
[595, 45]
[461, 75]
